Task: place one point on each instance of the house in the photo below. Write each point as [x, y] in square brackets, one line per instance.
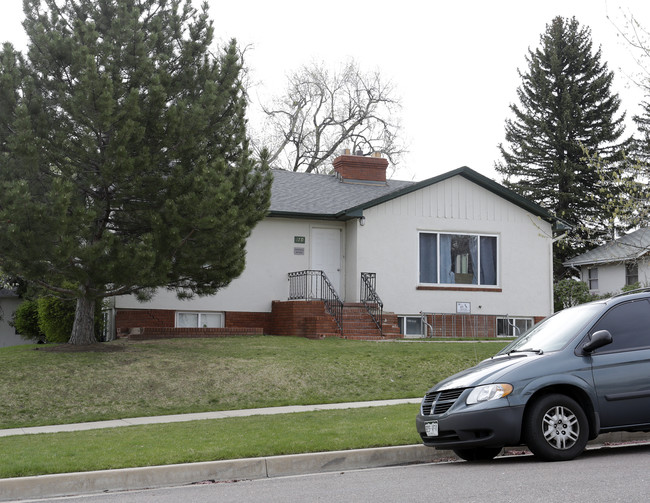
[456, 254]
[619, 263]
[9, 302]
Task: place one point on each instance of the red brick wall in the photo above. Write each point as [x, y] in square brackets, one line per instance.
[463, 325]
[466, 325]
[243, 319]
[173, 333]
[126, 319]
[302, 319]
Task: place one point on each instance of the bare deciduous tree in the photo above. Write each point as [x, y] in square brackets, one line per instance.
[322, 112]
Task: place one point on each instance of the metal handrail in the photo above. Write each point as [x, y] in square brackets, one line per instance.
[315, 285]
[371, 300]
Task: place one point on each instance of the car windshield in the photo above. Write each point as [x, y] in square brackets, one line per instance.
[553, 333]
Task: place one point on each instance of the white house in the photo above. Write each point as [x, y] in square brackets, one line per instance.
[456, 254]
[9, 302]
[619, 263]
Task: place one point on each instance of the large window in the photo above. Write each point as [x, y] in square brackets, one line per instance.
[199, 320]
[458, 259]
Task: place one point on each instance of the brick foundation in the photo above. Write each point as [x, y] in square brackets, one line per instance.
[242, 319]
[302, 319]
[127, 319]
[299, 319]
[148, 333]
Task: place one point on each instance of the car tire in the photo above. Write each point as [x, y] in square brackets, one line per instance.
[478, 453]
[556, 428]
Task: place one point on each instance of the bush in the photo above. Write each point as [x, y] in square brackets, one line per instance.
[633, 286]
[571, 292]
[50, 319]
[26, 321]
[55, 318]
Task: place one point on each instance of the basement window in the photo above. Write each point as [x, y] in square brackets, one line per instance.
[410, 325]
[199, 320]
[513, 327]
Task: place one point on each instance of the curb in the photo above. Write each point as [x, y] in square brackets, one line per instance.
[72, 484]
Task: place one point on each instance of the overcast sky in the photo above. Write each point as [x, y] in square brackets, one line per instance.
[454, 64]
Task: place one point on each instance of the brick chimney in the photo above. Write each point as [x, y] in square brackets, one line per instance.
[361, 168]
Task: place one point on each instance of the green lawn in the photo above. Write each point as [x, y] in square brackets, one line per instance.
[40, 387]
[207, 440]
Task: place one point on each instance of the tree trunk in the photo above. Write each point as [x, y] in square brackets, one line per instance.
[83, 329]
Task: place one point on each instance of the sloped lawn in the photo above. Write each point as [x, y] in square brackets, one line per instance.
[42, 385]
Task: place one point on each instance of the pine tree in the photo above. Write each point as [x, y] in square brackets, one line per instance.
[642, 142]
[124, 158]
[567, 112]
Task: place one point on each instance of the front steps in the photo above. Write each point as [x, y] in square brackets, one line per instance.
[358, 324]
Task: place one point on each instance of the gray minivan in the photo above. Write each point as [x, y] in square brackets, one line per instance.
[579, 373]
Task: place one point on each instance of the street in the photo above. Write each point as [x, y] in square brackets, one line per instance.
[605, 475]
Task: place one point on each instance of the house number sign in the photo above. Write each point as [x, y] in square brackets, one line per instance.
[299, 240]
[463, 307]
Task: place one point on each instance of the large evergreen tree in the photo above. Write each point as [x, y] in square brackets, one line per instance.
[566, 113]
[124, 160]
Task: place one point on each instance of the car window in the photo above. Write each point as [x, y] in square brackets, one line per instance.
[555, 332]
[629, 324]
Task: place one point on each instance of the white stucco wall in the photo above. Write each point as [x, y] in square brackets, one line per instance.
[611, 277]
[8, 335]
[388, 244]
[271, 255]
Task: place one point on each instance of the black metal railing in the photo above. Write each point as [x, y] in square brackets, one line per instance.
[371, 300]
[315, 285]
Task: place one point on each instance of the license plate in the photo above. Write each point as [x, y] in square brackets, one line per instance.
[431, 429]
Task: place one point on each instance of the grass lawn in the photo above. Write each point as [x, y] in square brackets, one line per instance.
[41, 386]
[207, 440]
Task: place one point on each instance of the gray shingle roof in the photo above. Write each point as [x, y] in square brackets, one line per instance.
[306, 195]
[323, 196]
[628, 247]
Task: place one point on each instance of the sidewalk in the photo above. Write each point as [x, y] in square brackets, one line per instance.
[179, 418]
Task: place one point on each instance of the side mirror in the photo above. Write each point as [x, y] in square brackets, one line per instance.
[598, 340]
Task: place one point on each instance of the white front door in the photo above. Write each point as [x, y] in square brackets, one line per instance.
[326, 254]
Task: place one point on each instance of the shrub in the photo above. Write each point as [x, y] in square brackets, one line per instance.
[633, 286]
[571, 292]
[55, 318]
[25, 320]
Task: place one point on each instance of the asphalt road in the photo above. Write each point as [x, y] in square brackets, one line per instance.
[606, 475]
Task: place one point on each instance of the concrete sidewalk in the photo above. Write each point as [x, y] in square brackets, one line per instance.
[179, 418]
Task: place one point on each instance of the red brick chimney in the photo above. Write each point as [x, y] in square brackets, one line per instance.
[361, 168]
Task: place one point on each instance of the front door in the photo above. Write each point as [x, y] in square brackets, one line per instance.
[326, 254]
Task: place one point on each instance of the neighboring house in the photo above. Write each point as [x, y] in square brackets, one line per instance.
[619, 263]
[9, 302]
[473, 256]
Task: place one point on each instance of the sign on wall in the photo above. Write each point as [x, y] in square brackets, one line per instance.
[463, 307]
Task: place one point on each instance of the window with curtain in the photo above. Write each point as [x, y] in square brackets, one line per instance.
[458, 259]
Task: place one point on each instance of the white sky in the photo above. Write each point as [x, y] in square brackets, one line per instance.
[453, 63]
